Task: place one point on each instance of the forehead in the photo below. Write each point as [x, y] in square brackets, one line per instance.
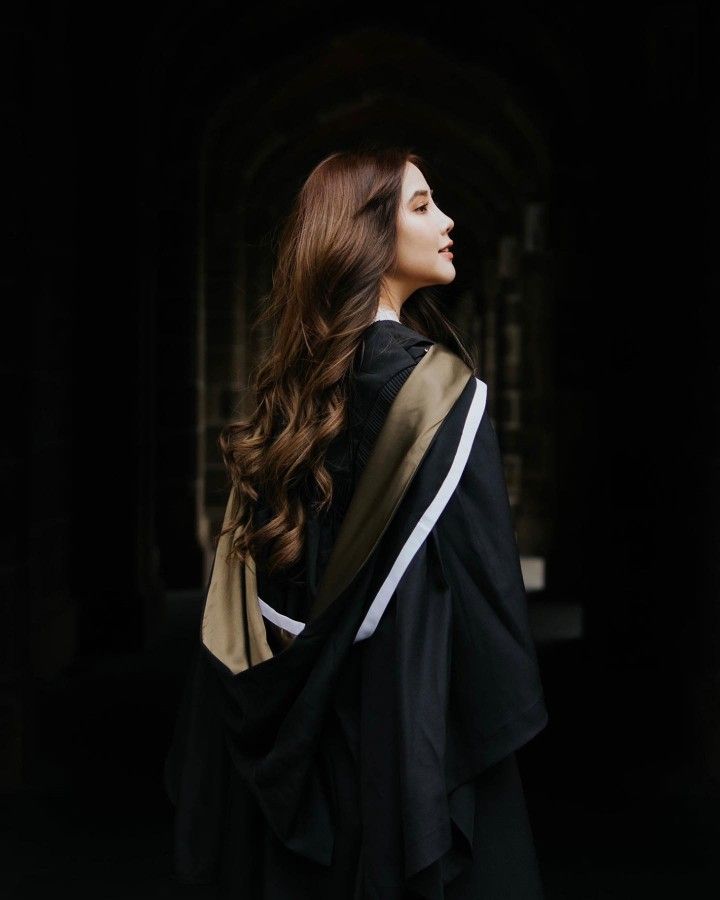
[413, 180]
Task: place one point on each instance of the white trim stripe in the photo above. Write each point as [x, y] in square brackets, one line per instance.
[291, 625]
[429, 517]
[419, 533]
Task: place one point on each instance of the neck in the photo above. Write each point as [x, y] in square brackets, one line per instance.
[386, 312]
[393, 293]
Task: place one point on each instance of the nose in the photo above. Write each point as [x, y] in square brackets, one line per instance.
[450, 226]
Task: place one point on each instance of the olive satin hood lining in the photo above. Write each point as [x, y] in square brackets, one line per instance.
[233, 625]
[419, 533]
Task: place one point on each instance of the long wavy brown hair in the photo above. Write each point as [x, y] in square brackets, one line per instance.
[334, 247]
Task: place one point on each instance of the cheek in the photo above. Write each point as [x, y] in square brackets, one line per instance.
[415, 246]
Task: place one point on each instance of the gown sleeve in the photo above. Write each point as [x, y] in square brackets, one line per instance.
[496, 691]
[450, 677]
[472, 555]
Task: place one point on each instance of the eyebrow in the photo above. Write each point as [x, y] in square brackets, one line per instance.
[419, 193]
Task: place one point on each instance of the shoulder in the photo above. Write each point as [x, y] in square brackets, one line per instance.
[388, 353]
[388, 346]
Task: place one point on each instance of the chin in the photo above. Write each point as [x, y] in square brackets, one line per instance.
[449, 276]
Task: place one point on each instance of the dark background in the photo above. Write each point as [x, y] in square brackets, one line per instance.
[109, 107]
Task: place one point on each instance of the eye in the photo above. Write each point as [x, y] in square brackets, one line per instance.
[423, 207]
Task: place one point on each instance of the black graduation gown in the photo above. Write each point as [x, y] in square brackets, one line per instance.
[372, 758]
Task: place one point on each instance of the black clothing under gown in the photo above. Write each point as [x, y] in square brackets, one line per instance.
[382, 750]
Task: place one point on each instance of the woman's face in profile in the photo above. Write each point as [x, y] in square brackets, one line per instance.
[423, 230]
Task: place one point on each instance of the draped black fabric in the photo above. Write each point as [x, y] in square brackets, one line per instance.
[397, 766]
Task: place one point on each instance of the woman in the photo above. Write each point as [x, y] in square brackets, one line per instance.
[365, 672]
